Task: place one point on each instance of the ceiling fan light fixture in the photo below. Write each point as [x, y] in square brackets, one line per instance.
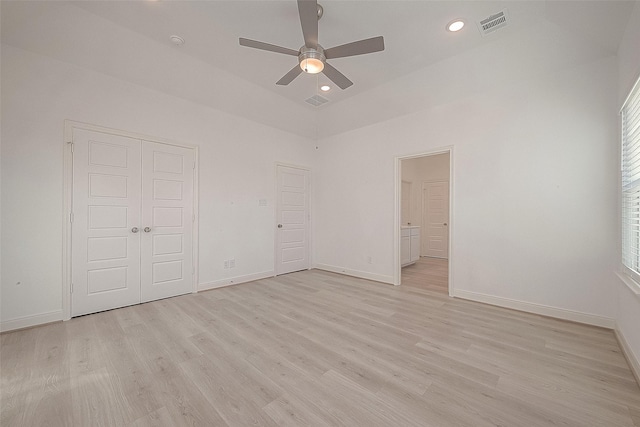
[311, 60]
[312, 65]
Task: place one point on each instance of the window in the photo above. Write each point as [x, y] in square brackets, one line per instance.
[631, 183]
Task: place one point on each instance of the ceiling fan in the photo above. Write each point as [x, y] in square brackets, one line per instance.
[312, 58]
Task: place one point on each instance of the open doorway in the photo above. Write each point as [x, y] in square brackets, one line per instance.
[423, 214]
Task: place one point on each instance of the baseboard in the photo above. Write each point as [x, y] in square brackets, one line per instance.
[632, 358]
[355, 273]
[29, 321]
[544, 310]
[235, 280]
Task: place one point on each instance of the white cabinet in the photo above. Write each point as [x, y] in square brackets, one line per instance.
[405, 247]
[409, 245]
[415, 244]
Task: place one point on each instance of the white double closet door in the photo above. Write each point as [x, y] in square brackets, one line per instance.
[132, 221]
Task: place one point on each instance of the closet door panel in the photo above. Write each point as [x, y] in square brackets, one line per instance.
[167, 221]
[106, 216]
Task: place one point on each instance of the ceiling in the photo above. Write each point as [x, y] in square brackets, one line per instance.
[129, 40]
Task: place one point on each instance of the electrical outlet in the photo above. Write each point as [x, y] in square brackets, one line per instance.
[232, 263]
[226, 264]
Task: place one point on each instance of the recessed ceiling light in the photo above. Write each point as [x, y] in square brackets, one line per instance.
[325, 88]
[177, 40]
[455, 25]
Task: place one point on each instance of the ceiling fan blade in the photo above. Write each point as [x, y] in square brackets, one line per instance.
[266, 46]
[336, 76]
[374, 44]
[308, 10]
[288, 78]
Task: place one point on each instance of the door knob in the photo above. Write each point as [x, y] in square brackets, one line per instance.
[279, 225]
[148, 229]
[445, 224]
[134, 230]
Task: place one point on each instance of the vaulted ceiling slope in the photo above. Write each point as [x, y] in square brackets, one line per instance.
[422, 66]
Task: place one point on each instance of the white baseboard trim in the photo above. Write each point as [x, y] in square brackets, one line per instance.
[355, 273]
[632, 358]
[235, 280]
[544, 310]
[29, 321]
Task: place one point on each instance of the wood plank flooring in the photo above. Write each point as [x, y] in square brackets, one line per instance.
[427, 273]
[315, 349]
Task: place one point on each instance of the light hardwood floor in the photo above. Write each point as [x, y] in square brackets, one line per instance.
[315, 348]
[429, 274]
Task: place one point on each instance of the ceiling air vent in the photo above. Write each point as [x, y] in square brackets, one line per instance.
[317, 100]
[494, 22]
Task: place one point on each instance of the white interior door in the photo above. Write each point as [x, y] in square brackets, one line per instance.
[106, 220]
[167, 221]
[405, 207]
[292, 216]
[435, 208]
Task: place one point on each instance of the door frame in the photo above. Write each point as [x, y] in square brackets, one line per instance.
[275, 215]
[69, 126]
[397, 264]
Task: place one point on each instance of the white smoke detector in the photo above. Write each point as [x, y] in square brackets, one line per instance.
[177, 40]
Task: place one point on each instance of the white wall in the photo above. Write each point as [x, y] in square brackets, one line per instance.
[628, 310]
[421, 170]
[237, 168]
[534, 186]
[629, 54]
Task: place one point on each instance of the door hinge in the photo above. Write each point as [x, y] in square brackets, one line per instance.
[194, 164]
[193, 218]
[72, 288]
[72, 147]
[71, 217]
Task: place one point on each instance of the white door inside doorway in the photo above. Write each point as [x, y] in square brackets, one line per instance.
[435, 208]
[405, 207]
[292, 216]
[132, 226]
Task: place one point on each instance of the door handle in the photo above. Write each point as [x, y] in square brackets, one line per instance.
[445, 224]
[148, 229]
[279, 225]
[134, 230]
